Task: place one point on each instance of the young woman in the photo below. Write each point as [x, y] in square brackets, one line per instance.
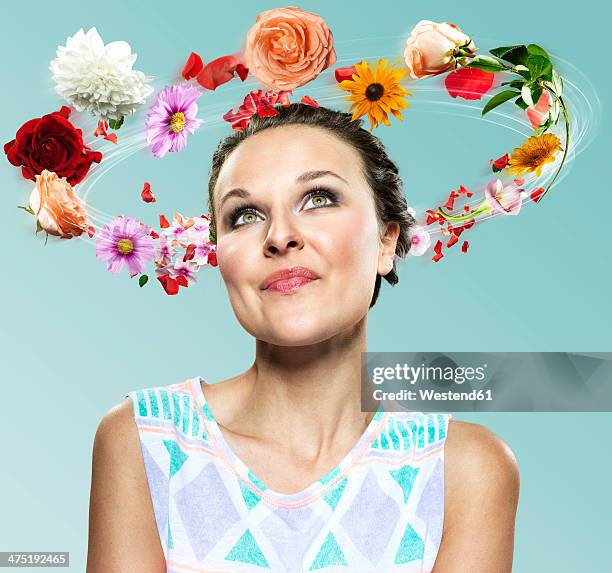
[278, 468]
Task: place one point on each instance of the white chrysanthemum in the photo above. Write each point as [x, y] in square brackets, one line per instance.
[99, 79]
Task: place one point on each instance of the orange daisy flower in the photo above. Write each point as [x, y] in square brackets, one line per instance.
[376, 93]
[534, 154]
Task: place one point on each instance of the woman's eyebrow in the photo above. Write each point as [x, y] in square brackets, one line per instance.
[303, 178]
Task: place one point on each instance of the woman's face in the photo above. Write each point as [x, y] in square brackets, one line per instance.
[334, 232]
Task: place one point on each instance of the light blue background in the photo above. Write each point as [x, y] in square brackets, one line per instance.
[75, 338]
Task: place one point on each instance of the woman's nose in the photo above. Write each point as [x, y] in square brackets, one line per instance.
[282, 235]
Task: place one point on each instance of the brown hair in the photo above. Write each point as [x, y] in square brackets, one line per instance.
[381, 173]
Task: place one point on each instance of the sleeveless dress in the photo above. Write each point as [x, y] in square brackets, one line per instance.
[381, 509]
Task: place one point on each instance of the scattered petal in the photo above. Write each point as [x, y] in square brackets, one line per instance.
[468, 83]
[170, 285]
[309, 101]
[193, 66]
[342, 74]
[501, 163]
[147, 194]
[536, 194]
[220, 71]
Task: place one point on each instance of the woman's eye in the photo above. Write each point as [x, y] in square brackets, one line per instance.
[246, 215]
[319, 198]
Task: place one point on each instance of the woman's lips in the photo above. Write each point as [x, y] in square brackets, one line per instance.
[292, 284]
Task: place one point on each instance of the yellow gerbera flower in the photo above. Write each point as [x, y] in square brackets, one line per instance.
[534, 154]
[376, 93]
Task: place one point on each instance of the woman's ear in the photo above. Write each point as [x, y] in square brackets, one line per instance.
[389, 244]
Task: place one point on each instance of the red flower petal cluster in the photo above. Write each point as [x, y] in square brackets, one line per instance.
[51, 142]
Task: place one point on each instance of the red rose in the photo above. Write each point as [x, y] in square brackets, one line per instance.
[51, 142]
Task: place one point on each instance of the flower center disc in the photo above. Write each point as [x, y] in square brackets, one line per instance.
[177, 121]
[125, 246]
[374, 91]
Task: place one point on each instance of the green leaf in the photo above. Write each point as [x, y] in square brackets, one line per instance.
[522, 71]
[143, 280]
[536, 92]
[116, 124]
[542, 128]
[516, 84]
[486, 63]
[498, 99]
[519, 101]
[536, 50]
[513, 54]
[28, 209]
[539, 66]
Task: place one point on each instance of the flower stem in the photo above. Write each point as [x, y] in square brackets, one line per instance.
[482, 208]
[567, 138]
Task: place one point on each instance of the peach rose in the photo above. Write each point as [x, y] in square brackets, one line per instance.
[59, 211]
[288, 47]
[433, 48]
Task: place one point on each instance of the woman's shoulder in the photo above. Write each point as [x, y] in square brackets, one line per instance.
[471, 446]
[480, 465]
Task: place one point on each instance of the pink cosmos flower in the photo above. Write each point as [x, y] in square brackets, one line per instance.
[172, 117]
[505, 200]
[125, 241]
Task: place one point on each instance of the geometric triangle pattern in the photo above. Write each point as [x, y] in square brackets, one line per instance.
[379, 509]
[246, 550]
[329, 554]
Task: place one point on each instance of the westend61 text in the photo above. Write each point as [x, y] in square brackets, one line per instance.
[423, 394]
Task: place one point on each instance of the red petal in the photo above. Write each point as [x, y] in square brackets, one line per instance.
[309, 101]
[536, 194]
[193, 66]
[101, 130]
[189, 252]
[182, 280]
[170, 285]
[469, 83]
[218, 72]
[465, 247]
[212, 258]
[344, 73]
[112, 137]
[65, 111]
[147, 195]
[451, 202]
[163, 222]
[437, 257]
[502, 162]
[438, 247]
[452, 240]
[432, 216]
[242, 71]
[91, 231]
[154, 234]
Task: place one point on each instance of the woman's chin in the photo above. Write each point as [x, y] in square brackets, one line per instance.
[296, 330]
